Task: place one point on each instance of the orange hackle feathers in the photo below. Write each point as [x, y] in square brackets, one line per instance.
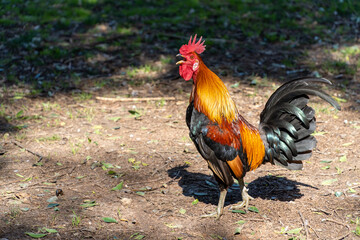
[193, 46]
[212, 97]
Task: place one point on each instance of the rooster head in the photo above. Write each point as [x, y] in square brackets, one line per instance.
[190, 64]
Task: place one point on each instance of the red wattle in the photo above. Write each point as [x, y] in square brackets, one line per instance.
[186, 72]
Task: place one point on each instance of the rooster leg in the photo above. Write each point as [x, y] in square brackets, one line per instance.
[220, 207]
[245, 196]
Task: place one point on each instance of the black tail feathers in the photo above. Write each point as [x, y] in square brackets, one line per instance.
[286, 123]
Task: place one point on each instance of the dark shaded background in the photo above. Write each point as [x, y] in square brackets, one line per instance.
[58, 45]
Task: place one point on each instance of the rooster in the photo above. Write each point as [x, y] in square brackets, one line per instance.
[230, 144]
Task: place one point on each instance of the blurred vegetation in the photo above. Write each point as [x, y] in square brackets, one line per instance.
[52, 44]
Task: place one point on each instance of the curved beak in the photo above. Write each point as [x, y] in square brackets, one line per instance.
[181, 61]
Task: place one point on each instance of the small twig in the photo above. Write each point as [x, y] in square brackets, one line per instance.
[320, 210]
[52, 178]
[145, 190]
[340, 223]
[136, 183]
[161, 156]
[33, 153]
[71, 171]
[46, 186]
[314, 230]
[59, 170]
[8, 183]
[255, 219]
[135, 99]
[305, 225]
[166, 163]
[343, 237]
[152, 189]
[47, 180]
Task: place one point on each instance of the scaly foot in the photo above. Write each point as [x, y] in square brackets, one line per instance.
[214, 214]
[245, 198]
[220, 207]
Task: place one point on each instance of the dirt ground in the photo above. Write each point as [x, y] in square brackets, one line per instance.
[77, 163]
[87, 146]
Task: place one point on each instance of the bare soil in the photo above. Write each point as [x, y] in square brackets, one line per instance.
[148, 148]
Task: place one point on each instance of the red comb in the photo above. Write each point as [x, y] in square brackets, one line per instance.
[193, 46]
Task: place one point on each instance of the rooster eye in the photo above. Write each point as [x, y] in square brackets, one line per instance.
[192, 57]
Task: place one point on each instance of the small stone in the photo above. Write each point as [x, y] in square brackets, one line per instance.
[52, 199]
[134, 93]
[126, 201]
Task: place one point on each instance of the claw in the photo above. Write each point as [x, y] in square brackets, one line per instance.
[245, 197]
[220, 208]
[245, 200]
[214, 214]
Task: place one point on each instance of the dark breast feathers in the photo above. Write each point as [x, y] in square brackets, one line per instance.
[221, 147]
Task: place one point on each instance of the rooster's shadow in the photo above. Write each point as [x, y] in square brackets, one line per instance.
[205, 189]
